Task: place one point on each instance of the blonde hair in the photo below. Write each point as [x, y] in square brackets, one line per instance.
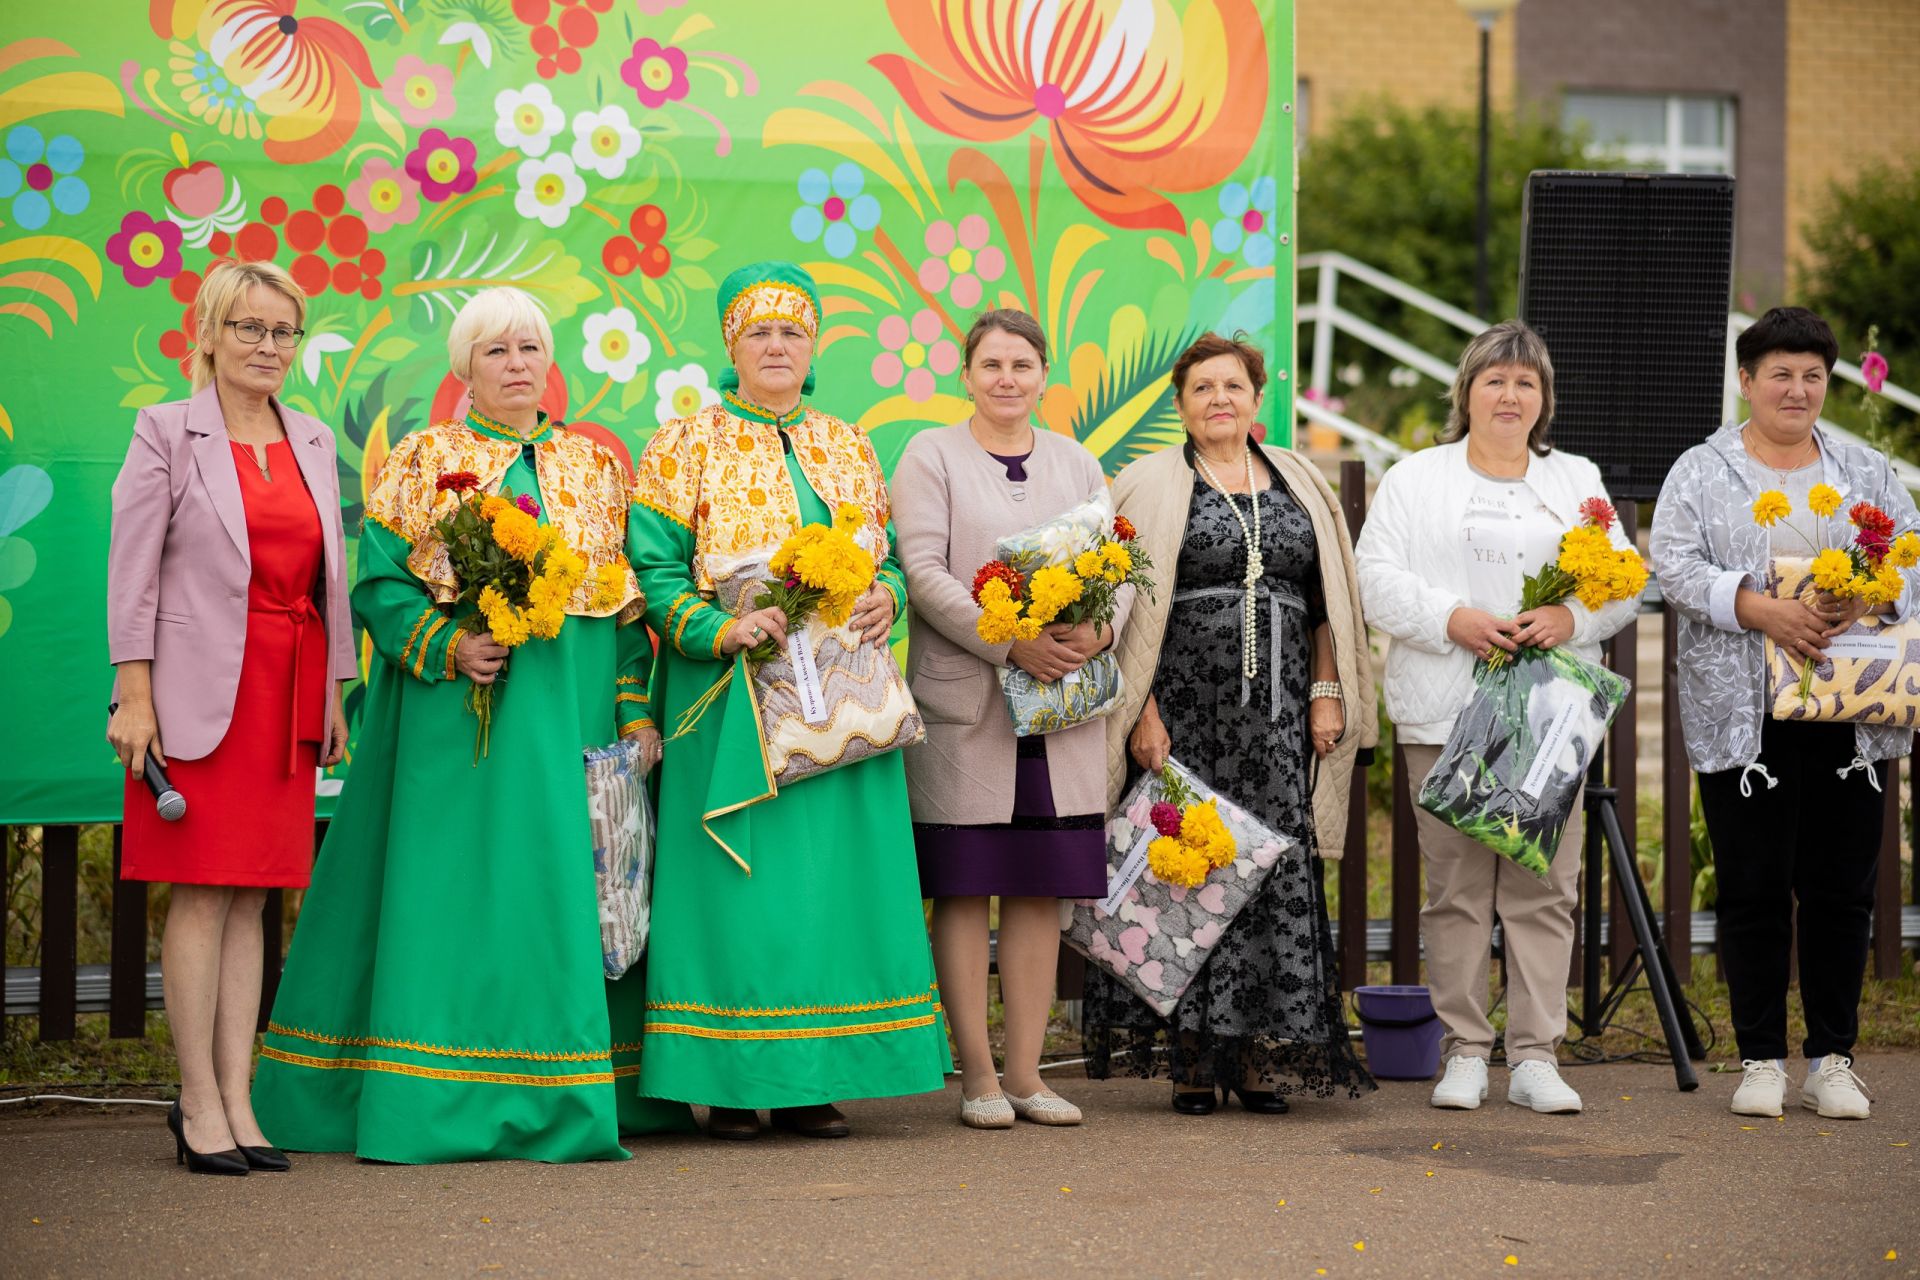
[225, 287]
[1509, 342]
[493, 313]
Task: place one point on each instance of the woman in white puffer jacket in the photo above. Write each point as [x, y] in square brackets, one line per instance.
[1452, 532]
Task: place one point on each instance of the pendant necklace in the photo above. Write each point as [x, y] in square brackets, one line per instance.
[266, 472]
[1249, 642]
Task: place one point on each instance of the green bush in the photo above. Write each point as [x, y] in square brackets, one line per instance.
[1862, 263]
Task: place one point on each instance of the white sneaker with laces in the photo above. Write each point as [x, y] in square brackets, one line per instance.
[1538, 1085]
[1464, 1086]
[1835, 1092]
[1761, 1090]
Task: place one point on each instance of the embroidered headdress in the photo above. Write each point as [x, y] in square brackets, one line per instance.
[766, 291]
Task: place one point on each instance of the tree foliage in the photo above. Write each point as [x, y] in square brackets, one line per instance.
[1862, 263]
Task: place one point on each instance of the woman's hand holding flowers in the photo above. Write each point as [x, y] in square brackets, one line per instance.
[750, 629]
[873, 614]
[1839, 612]
[478, 657]
[1793, 625]
[1084, 638]
[1045, 657]
[1480, 633]
[1545, 627]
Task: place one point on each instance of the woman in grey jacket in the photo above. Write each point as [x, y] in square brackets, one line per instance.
[1810, 829]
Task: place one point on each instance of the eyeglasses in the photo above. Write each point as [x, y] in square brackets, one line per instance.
[250, 331]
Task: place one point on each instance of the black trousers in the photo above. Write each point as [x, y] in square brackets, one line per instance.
[1814, 840]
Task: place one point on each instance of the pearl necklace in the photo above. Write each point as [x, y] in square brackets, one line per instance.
[1249, 630]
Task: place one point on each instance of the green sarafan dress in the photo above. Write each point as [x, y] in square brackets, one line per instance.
[788, 963]
[443, 996]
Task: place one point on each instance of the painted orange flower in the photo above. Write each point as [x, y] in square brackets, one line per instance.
[296, 72]
[1134, 101]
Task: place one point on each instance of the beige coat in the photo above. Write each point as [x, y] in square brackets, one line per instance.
[951, 500]
[1154, 492]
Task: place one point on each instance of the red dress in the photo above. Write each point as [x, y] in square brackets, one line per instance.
[249, 818]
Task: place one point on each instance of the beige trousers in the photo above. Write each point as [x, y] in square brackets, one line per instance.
[1467, 885]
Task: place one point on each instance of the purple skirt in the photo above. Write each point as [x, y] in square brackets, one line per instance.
[1036, 855]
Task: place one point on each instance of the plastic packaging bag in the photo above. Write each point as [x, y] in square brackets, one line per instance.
[621, 819]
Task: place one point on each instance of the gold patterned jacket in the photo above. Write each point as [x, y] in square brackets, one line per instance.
[582, 487]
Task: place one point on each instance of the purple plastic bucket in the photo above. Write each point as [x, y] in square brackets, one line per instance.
[1401, 1031]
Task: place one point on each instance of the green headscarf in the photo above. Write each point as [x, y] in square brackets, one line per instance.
[761, 290]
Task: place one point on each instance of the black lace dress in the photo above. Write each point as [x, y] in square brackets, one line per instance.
[1266, 1005]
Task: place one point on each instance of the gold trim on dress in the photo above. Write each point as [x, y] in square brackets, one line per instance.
[661, 511]
[434, 1073]
[766, 771]
[406, 649]
[411, 1046]
[420, 659]
[798, 1011]
[785, 1033]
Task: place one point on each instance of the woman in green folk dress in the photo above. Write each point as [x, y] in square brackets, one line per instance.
[788, 965]
[444, 997]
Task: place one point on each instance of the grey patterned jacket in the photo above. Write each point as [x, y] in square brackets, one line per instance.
[1705, 547]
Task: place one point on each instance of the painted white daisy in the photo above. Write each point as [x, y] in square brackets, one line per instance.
[615, 345]
[527, 119]
[549, 190]
[603, 141]
[683, 392]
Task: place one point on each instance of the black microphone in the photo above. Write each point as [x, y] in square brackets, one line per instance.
[168, 803]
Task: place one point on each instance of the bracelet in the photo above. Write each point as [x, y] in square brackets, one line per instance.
[1325, 689]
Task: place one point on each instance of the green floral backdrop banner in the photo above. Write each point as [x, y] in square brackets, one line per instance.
[1123, 169]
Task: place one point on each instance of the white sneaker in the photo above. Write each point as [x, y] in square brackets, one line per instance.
[1538, 1085]
[1464, 1087]
[1834, 1091]
[1761, 1089]
[1044, 1107]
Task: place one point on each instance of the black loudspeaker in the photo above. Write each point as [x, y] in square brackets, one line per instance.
[1627, 276]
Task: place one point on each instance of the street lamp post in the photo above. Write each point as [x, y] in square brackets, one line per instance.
[1484, 13]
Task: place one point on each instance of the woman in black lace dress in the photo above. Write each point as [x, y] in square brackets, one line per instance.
[1270, 714]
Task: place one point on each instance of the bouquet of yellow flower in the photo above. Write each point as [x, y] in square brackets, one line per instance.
[1589, 568]
[1068, 570]
[517, 573]
[1866, 569]
[821, 572]
[1192, 839]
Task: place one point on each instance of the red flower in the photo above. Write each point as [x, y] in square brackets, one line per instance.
[1869, 518]
[1598, 512]
[1165, 818]
[458, 481]
[1123, 529]
[526, 503]
[1873, 371]
[1873, 544]
[999, 569]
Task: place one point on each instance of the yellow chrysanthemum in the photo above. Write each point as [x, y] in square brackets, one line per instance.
[999, 620]
[1116, 562]
[509, 627]
[995, 591]
[1770, 508]
[1027, 629]
[492, 601]
[1905, 552]
[518, 535]
[1087, 564]
[1052, 589]
[544, 621]
[1823, 499]
[849, 518]
[546, 592]
[1832, 570]
[492, 506]
[1172, 862]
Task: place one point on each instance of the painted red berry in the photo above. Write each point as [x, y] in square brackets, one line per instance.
[310, 273]
[273, 209]
[655, 261]
[648, 224]
[545, 41]
[329, 200]
[579, 28]
[306, 231]
[347, 236]
[620, 255]
[373, 262]
[346, 278]
[369, 288]
[257, 242]
[531, 12]
[173, 344]
[568, 60]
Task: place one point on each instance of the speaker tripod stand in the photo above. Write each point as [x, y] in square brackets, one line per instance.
[1607, 845]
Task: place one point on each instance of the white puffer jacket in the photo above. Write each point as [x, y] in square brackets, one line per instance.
[1413, 575]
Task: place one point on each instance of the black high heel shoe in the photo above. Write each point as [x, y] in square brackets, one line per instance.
[230, 1162]
[1263, 1102]
[1193, 1102]
[266, 1159]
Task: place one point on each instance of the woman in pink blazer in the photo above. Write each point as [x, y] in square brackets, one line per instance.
[228, 626]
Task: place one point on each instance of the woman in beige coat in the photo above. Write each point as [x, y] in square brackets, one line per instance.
[1260, 683]
[1021, 819]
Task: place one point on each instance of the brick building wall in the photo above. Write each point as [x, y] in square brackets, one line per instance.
[1412, 51]
[1853, 95]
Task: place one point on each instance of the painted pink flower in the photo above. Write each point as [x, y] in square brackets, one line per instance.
[916, 350]
[657, 73]
[384, 195]
[1166, 819]
[420, 92]
[526, 503]
[145, 250]
[962, 262]
[443, 166]
[654, 8]
[1873, 371]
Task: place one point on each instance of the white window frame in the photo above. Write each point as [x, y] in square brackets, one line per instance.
[1672, 155]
